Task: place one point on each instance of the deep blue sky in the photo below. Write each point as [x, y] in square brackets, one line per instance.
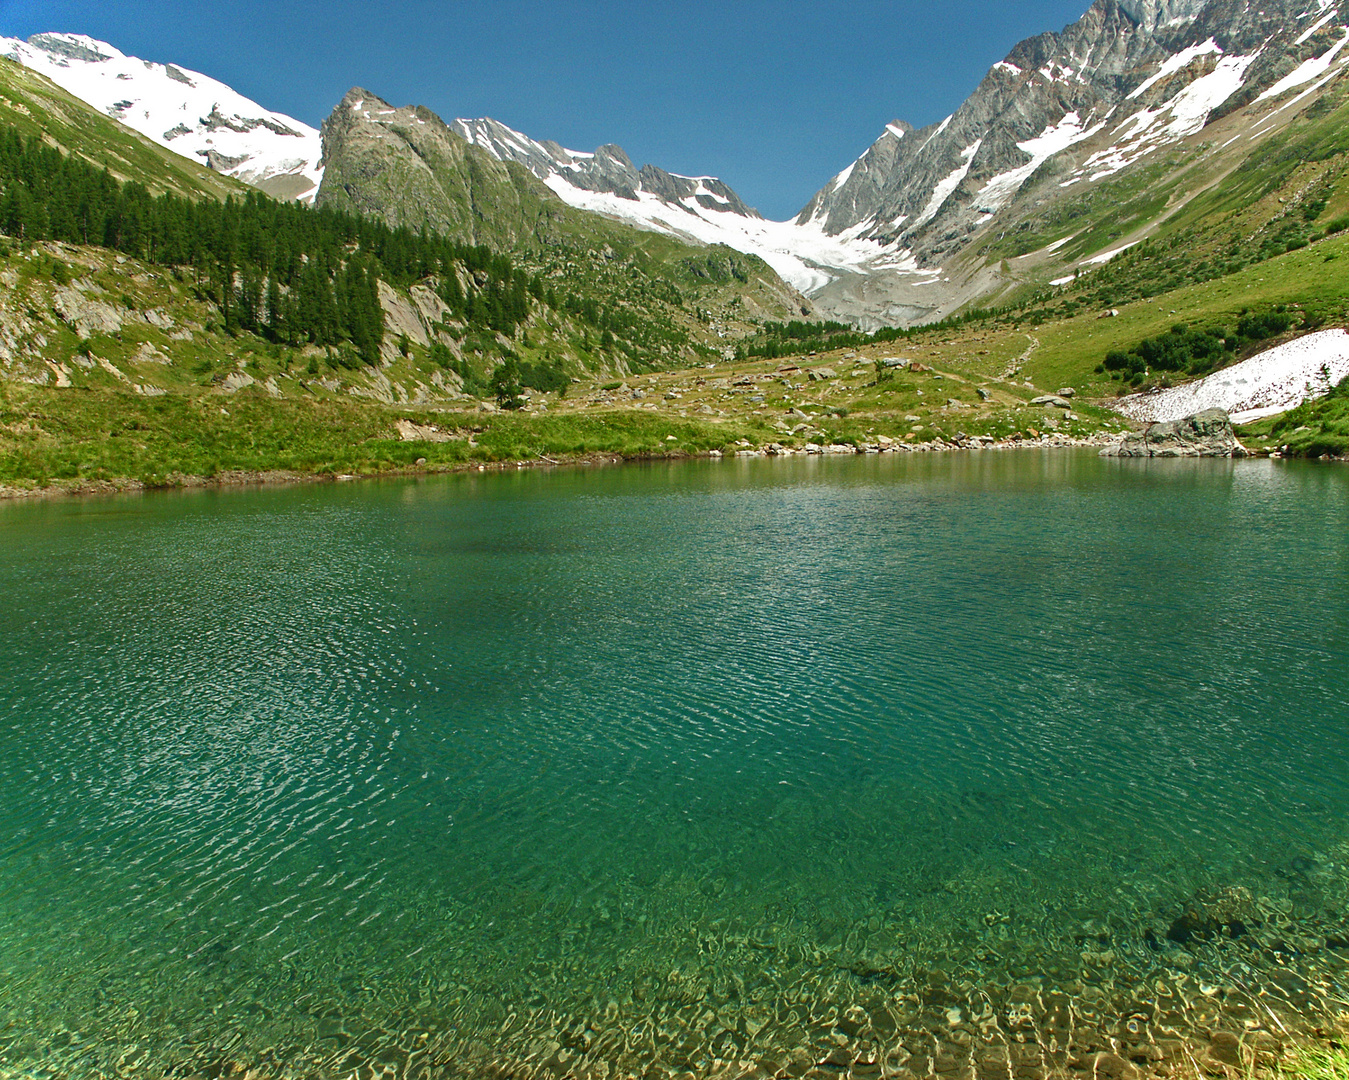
[774, 97]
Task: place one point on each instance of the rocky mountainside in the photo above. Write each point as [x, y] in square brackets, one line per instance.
[1109, 95]
[200, 118]
[409, 167]
[184, 111]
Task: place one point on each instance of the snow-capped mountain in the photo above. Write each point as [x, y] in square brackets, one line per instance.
[199, 117]
[608, 169]
[1127, 79]
[702, 209]
[895, 236]
[191, 114]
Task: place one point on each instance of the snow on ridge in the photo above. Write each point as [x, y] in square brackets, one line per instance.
[944, 125]
[843, 177]
[804, 256]
[489, 135]
[1308, 70]
[1053, 140]
[1325, 18]
[1141, 133]
[184, 111]
[946, 187]
[1179, 62]
[1270, 382]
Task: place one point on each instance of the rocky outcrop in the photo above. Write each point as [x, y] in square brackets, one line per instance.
[410, 168]
[86, 316]
[1206, 434]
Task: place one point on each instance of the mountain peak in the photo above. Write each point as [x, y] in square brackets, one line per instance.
[186, 112]
[1151, 14]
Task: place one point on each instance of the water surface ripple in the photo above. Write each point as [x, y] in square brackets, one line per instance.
[973, 766]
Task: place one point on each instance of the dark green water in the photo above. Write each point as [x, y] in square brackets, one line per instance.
[883, 766]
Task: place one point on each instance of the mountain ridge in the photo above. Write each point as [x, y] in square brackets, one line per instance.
[905, 233]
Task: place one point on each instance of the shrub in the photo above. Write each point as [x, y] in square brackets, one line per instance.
[506, 385]
[546, 376]
[1255, 327]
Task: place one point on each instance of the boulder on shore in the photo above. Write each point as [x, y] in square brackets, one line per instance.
[1205, 434]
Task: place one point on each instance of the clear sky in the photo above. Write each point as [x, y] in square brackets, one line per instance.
[773, 97]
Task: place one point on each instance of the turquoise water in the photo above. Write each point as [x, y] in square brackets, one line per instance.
[886, 766]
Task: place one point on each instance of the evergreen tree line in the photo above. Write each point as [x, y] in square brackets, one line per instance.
[796, 338]
[282, 269]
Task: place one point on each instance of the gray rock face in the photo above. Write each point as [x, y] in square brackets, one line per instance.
[930, 189]
[1206, 434]
[1150, 14]
[59, 45]
[84, 315]
[218, 121]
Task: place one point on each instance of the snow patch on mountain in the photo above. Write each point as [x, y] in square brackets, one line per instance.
[805, 256]
[1053, 140]
[184, 111]
[1315, 26]
[1174, 64]
[1309, 70]
[945, 187]
[701, 209]
[1271, 382]
[1177, 118]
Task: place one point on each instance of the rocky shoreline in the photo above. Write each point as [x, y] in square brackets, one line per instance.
[1110, 445]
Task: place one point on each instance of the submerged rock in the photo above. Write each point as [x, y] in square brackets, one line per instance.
[1206, 434]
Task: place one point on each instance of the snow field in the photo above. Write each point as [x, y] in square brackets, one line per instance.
[1271, 382]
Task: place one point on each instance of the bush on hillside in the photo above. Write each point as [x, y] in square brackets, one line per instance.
[1195, 352]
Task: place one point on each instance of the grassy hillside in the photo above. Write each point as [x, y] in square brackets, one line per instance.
[407, 168]
[162, 389]
[604, 297]
[1256, 182]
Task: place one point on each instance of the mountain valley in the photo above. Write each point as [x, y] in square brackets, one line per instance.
[1157, 165]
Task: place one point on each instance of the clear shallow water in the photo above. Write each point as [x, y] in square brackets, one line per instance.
[850, 767]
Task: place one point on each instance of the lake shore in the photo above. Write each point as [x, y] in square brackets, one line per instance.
[234, 478]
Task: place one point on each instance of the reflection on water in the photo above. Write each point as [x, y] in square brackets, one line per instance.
[971, 766]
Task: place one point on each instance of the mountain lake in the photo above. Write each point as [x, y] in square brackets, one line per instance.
[970, 765]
